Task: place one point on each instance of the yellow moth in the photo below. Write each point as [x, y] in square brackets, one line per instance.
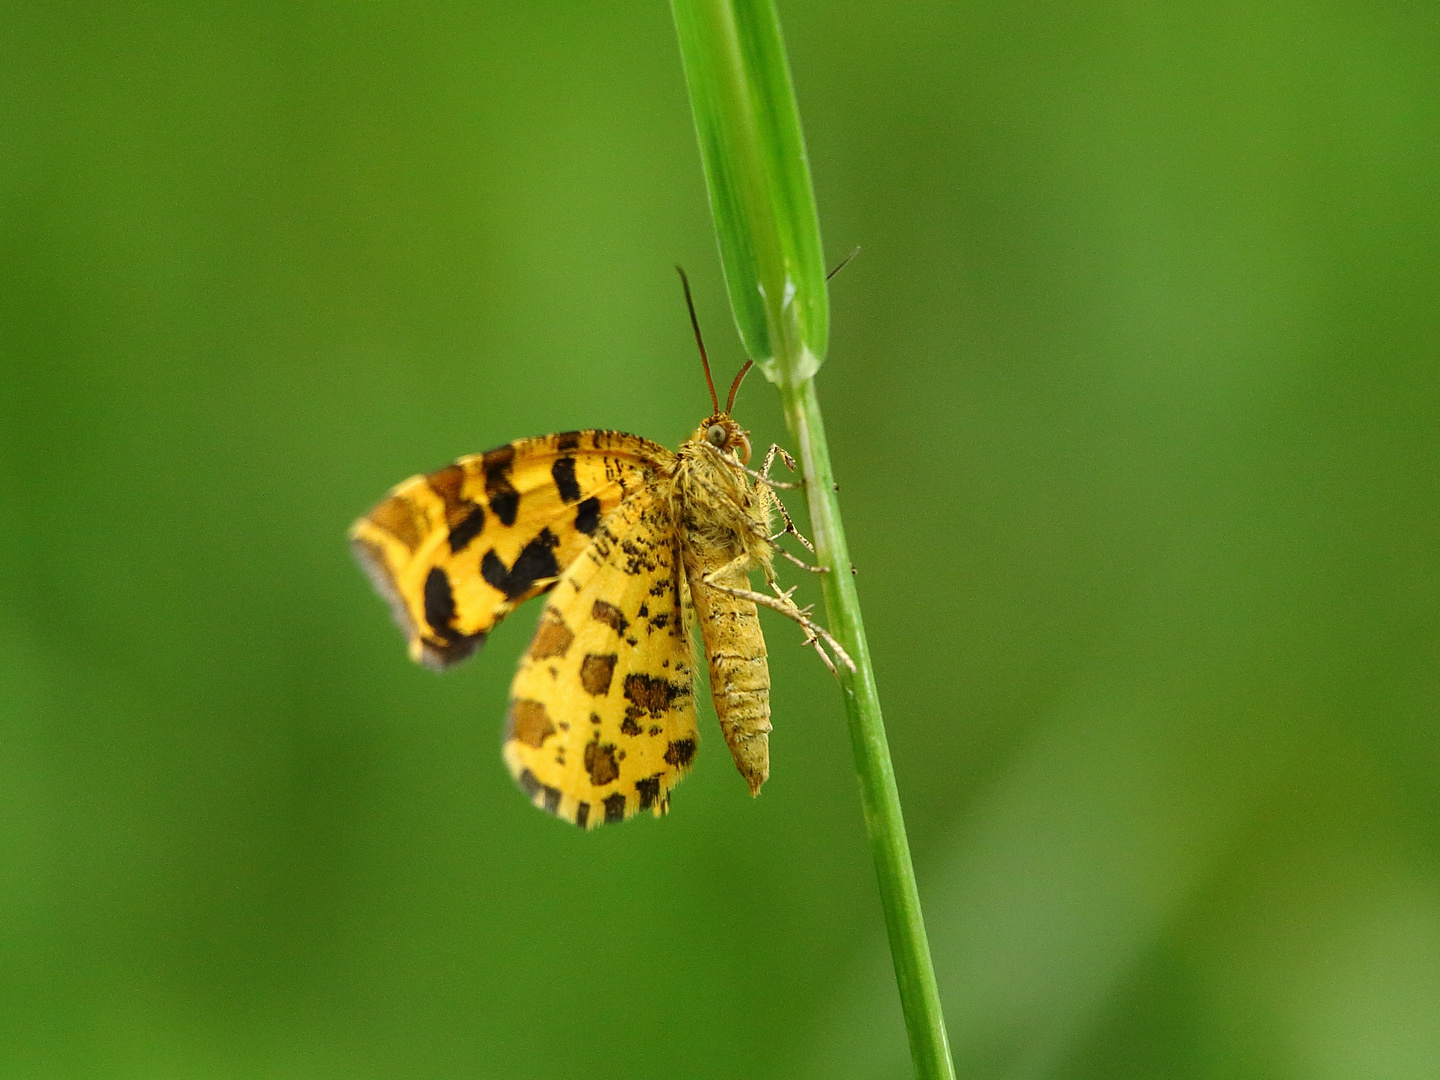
[633, 544]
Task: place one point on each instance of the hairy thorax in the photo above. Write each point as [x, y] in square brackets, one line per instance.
[720, 513]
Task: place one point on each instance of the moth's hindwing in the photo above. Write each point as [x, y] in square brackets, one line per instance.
[454, 552]
[602, 716]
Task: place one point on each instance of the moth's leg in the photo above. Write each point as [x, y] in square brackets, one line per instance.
[762, 478]
[815, 633]
[790, 463]
[793, 558]
[764, 474]
[799, 561]
[781, 602]
[772, 499]
[792, 531]
[776, 448]
[811, 638]
[741, 564]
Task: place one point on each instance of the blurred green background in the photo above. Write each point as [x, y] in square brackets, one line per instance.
[1133, 400]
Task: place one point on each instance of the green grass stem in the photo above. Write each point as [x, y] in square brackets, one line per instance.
[769, 237]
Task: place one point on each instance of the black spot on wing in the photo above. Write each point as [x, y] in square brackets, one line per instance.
[587, 515]
[506, 505]
[467, 530]
[649, 789]
[552, 798]
[567, 441]
[441, 653]
[614, 808]
[582, 814]
[680, 751]
[499, 491]
[563, 473]
[439, 602]
[529, 782]
[535, 562]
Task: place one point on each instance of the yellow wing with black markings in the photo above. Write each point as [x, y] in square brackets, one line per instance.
[602, 711]
[456, 551]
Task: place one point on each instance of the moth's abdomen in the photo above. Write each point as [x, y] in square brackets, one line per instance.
[739, 674]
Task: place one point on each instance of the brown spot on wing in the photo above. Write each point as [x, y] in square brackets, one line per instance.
[680, 752]
[529, 723]
[610, 615]
[651, 694]
[398, 516]
[596, 673]
[465, 518]
[600, 763]
[448, 483]
[649, 790]
[614, 808]
[552, 639]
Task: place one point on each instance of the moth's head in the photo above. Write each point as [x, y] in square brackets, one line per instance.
[725, 435]
[719, 431]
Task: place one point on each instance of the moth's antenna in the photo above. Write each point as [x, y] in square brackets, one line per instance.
[735, 386]
[841, 264]
[685, 281]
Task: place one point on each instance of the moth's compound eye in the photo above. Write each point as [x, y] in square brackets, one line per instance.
[716, 435]
[742, 449]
